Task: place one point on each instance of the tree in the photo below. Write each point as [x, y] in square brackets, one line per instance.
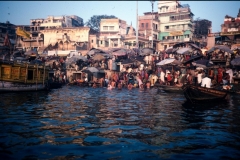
[94, 21]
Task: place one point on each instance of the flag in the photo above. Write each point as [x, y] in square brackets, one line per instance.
[22, 33]
[7, 41]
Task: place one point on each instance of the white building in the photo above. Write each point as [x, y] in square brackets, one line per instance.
[176, 23]
[112, 32]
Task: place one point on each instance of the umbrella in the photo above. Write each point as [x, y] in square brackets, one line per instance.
[94, 51]
[193, 58]
[204, 63]
[222, 47]
[90, 70]
[98, 57]
[183, 50]
[169, 50]
[195, 46]
[74, 59]
[120, 52]
[127, 61]
[169, 61]
[147, 51]
[236, 62]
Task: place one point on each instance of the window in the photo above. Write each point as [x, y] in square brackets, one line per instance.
[166, 27]
[146, 25]
[111, 28]
[92, 40]
[105, 28]
[142, 25]
[101, 42]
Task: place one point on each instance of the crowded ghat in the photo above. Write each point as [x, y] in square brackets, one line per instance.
[183, 63]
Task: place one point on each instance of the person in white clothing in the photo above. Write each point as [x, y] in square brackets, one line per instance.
[230, 72]
[199, 77]
[206, 82]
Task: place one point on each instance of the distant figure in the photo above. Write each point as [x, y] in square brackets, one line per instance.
[130, 86]
[94, 85]
[148, 84]
[119, 86]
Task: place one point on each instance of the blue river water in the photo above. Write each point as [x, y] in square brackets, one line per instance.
[85, 123]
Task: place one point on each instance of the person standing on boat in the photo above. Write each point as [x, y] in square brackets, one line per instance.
[199, 77]
[162, 77]
[206, 82]
[220, 74]
[230, 72]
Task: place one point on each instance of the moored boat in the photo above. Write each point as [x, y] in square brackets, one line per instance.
[22, 77]
[197, 94]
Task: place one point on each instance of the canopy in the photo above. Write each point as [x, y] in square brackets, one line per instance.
[169, 61]
[204, 63]
[193, 58]
[236, 61]
[147, 51]
[183, 50]
[222, 47]
[98, 57]
[90, 70]
[120, 52]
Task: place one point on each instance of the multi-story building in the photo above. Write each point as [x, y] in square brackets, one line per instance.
[7, 28]
[112, 32]
[36, 27]
[176, 23]
[117, 33]
[230, 29]
[68, 38]
[148, 27]
[202, 28]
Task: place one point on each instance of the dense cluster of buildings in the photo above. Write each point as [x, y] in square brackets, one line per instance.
[171, 24]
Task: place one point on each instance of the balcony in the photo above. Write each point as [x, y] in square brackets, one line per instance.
[32, 39]
[176, 40]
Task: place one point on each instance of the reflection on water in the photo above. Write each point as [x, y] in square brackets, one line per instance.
[75, 123]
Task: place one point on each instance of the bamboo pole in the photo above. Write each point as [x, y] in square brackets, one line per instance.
[43, 74]
[26, 74]
[37, 77]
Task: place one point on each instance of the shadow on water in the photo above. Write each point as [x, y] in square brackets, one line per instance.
[87, 123]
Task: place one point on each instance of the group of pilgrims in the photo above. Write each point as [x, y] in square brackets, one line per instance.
[149, 73]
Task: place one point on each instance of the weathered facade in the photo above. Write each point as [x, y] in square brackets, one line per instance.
[37, 39]
[148, 27]
[74, 38]
[176, 23]
[231, 29]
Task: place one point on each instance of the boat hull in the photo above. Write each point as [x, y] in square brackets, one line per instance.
[20, 87]
[196, 94]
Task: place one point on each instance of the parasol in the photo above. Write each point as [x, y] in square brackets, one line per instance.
[169, 61]
[236, 61]
[204, 63]
[146, 51]
[183, 50]
[90, 70]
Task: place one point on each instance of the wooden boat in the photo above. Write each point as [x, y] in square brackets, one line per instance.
[171, 89]
[22, 77]
[197, 94]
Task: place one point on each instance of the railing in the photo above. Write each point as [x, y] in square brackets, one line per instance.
[178, 29]
[176, 40]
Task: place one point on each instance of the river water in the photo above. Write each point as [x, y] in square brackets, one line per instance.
[86, 123]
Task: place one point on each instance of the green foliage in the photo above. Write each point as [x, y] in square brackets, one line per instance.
[94, 21]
